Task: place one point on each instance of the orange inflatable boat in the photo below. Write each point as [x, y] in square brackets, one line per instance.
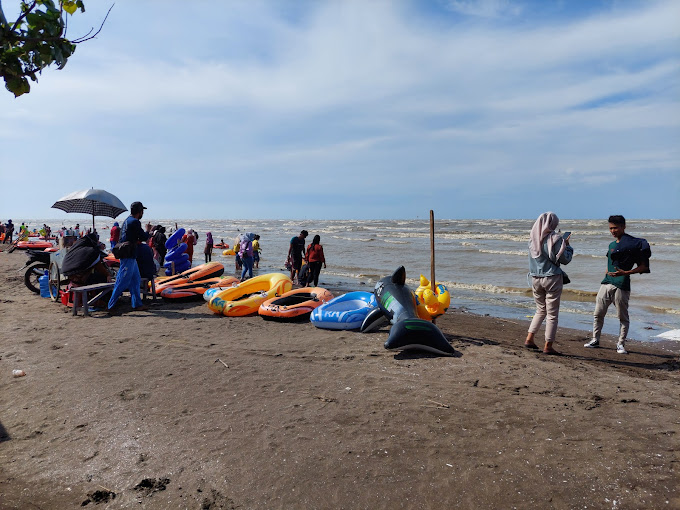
[194, 274]
[192, 290]
[34, 245]
[294, 305]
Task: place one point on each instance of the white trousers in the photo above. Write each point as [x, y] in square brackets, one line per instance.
[547, 294]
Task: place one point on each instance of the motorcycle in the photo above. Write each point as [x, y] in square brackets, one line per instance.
[38, 262]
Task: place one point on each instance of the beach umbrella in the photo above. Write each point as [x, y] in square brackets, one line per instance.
[96, 202]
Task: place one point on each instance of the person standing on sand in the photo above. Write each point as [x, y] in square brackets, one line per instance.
[159, 240]
[128, 277]
[623, 253]
[315, 258]
[115, 234]
[547, 250]
[207, 251]
[190, 239]
[296, 252]
[246, 253]
[256, 252]
[9, 231]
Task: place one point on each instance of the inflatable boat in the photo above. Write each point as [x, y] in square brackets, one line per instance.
[344, 312]
[432, 304]
[33, 245]
[195, 274]
[296, 304]
[195, 289]
[246, 297]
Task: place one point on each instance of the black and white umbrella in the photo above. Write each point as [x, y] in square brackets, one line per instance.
[96, 202]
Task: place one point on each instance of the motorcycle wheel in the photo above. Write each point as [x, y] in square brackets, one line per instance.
[55, 281]
[31, 277]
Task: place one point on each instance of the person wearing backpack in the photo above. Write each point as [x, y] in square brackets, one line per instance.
[128, 277]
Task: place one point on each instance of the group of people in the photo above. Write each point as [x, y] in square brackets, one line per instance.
[313, 256]
[548, 250]
[7, 231]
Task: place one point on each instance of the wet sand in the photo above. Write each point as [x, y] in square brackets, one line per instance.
[135, 411]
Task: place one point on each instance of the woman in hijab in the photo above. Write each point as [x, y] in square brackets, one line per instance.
[547, 250]
[208, 247]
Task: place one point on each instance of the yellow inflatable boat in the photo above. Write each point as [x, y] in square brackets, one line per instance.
[246, 298]
[432, 304]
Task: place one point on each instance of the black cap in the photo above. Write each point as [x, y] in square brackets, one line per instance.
[136, 207]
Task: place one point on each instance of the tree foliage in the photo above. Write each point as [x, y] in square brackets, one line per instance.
[36, 40]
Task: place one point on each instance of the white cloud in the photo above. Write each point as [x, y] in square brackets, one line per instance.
[364, 89]
[485, 8]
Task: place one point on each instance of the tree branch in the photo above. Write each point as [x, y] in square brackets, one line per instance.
[78, 40]
[3, 20]
[23, 15]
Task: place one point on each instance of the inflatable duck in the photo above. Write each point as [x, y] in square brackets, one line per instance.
[432, 304]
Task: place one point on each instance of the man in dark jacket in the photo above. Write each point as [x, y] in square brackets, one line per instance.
[128, 277]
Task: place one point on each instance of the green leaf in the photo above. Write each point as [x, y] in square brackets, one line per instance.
[17, 86]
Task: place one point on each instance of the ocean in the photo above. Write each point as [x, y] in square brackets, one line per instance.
[484, 263]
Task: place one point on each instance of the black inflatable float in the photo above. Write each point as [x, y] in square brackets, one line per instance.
[398, 304]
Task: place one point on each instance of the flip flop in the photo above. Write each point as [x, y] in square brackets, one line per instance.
[533, 347]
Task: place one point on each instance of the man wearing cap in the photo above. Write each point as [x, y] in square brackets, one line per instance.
[128, 277]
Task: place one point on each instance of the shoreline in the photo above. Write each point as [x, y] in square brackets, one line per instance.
[137, 405]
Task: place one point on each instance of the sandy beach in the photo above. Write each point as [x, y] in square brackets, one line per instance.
[136, 411]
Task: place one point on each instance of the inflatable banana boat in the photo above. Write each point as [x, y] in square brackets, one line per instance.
[246, 298]
[296, 304]
[344, 312]
[432, 304]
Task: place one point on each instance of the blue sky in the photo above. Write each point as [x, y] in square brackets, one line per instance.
[357, 109]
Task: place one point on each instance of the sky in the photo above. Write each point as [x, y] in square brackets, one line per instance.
[330, 109]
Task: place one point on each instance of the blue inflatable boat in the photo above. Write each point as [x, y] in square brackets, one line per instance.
[344, 312]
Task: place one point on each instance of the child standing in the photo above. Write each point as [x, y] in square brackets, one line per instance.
[256, 251]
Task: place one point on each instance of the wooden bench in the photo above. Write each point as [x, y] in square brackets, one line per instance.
[102, 289]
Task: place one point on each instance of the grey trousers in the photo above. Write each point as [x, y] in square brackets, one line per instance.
[607, 295]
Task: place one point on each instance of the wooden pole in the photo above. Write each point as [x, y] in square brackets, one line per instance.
[432, 284]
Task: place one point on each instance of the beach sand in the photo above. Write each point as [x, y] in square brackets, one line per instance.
[135, 411]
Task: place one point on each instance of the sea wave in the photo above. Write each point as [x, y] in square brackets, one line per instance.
[503, 252]
[662, 309]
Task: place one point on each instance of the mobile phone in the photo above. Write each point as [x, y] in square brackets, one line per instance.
[566, 234]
